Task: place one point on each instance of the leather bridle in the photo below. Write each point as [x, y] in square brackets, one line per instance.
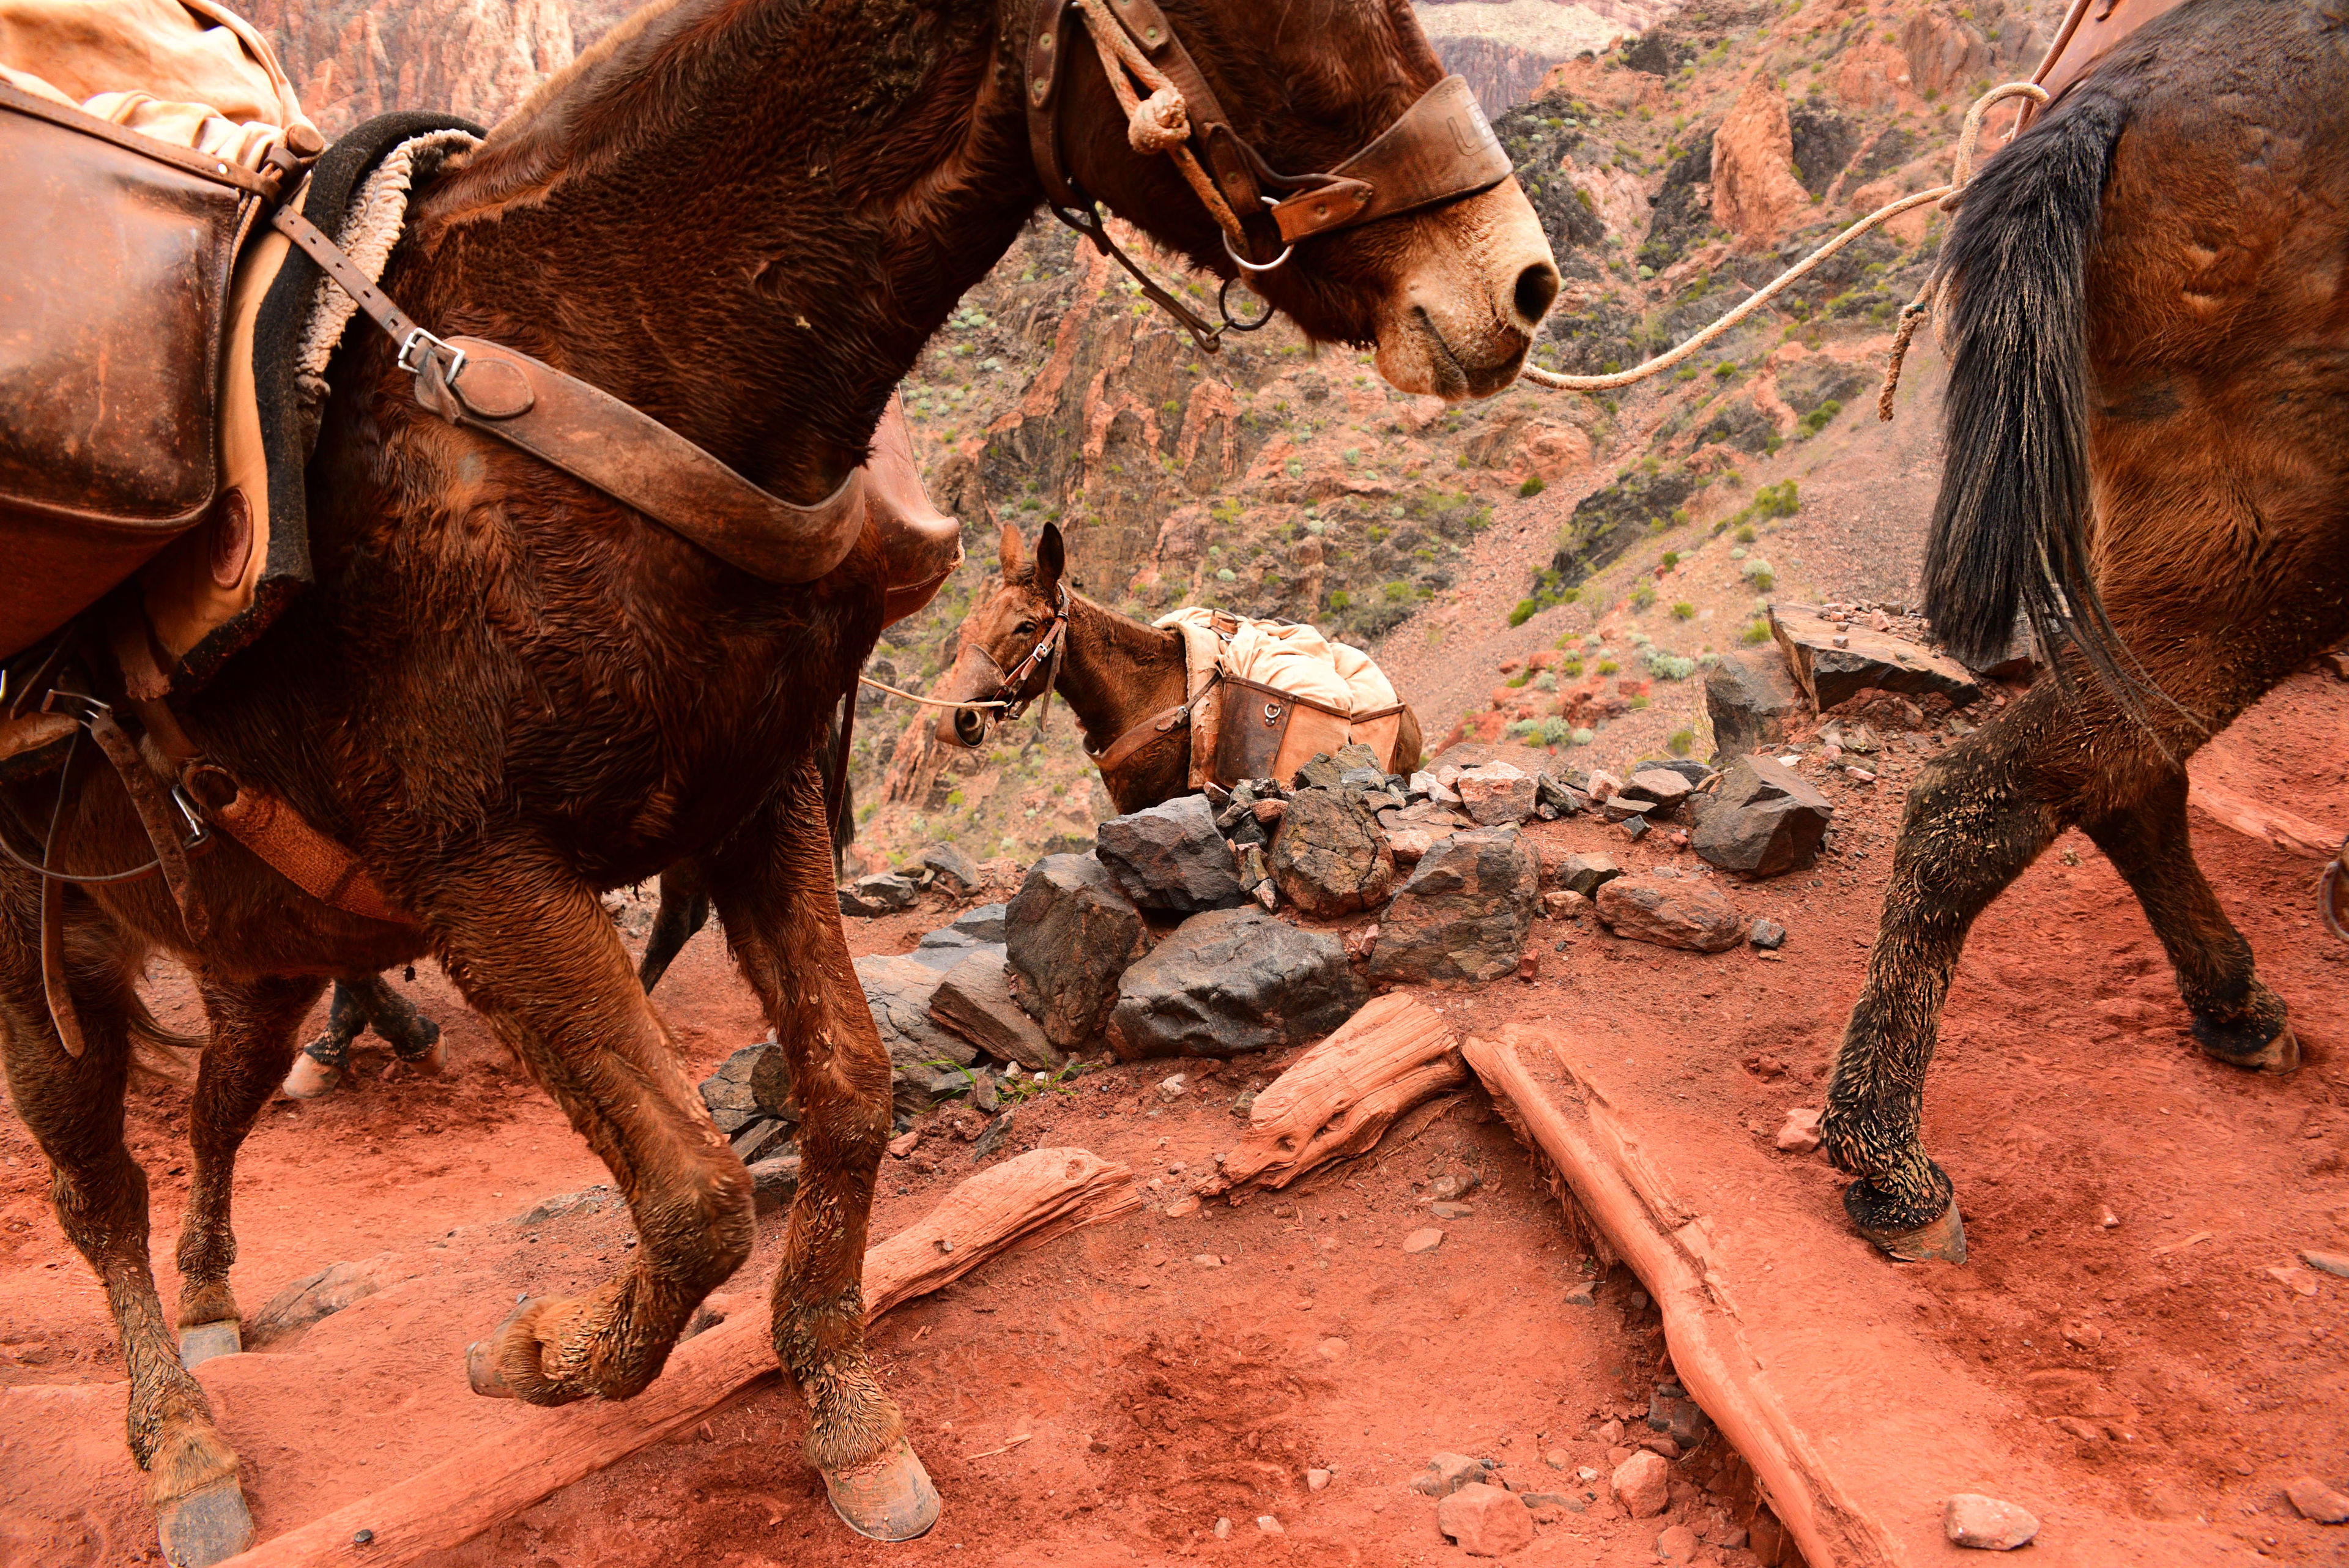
[1440, 149]
[1011, 694]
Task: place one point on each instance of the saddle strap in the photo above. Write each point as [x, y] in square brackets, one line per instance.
[595, 437]
[1120, 752]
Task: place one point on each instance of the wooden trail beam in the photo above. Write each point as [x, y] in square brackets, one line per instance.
[1340, 1097]
[1708, 1346]
[1045, 1193]
[2293, 835]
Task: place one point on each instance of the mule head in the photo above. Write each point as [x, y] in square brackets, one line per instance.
[1449, 294]
[1001, 632]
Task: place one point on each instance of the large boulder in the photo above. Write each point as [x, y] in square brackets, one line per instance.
[1764, 818]
[1330, 857]
[898, 989]
[973, 1000]
[1466, 912]
[1749, 697]
[1171, 857]
[1068, 934]
[752, 1083]
[1671, 912]
[1231, 982]
[1835, 659]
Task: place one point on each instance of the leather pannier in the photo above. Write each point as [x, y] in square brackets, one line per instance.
[1263, 733]
[115, 257]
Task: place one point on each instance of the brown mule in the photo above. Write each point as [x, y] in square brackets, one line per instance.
[1124, 680]
[2149, 454]
[508, 691]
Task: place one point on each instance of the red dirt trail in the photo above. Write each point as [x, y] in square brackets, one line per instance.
[1158, 1394]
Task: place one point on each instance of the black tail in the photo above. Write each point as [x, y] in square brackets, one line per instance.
[2011, 528]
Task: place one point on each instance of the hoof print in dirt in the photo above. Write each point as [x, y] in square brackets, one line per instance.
[1749, 697]
[1671, 912]
[1330, 856]
[882, 893]
[1765, 819]
[1867, 660]
[1465, 913]
[974, 1001]
[319, 1296]
[1170, 858]
[1232, 981]
[1068, 935]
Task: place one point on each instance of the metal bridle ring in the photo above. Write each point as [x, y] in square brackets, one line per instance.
[1245, 264]
[1223, 308]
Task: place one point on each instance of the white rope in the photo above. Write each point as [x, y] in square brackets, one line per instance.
[1943, 195]
[925, 701]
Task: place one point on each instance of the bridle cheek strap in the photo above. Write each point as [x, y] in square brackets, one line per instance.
[1442, 149]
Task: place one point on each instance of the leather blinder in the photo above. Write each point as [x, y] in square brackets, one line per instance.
[1442, 148]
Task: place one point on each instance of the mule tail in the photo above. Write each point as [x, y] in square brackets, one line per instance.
[2011, 526]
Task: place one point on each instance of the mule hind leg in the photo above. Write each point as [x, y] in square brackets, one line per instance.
[774, 893]
[73, 1107]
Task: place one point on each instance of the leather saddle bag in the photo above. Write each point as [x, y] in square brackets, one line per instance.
[1263, 733]
[115, 257]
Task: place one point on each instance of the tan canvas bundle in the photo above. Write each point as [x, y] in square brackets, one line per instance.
[1265, 698]
[120, 215]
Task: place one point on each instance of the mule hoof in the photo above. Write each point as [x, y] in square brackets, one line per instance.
[1941, 1241]
[891, 1499]
[482, 1358]
[206, 1340]
[311, 1079]
[207, 1526]
[2278, 1054]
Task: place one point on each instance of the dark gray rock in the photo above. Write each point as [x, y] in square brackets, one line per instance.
[1330, 857]
[1232, 981]
[991, 1136]
[1068, 936]
[1583, 873]
[1868, 660]
[1558, 795]
[943, 949]
[1765, 819]
[1695, 773]
[1635, 829]
[762, 1138]
[1170, 858]
[882, 893]
[1466, 912]
[952, 869]
[898, 989]
[1663, 788]
[1767, 934]
[774, 1182]
[754, 1082]
[973, 1000]
[980, 923]
[1749, 697]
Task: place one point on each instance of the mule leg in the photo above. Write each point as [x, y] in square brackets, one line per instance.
[1971, 825]
[252, 1043]
[73, 1107]
[684, 911]
[775, 894]
[2236, 1019]
[319, 1068]
[413, 1038]
[536, 956]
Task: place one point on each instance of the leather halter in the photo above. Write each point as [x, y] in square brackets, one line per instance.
[1442, 148]
[1011, 684]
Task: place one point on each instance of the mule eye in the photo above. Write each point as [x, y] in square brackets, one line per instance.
[1025, 628]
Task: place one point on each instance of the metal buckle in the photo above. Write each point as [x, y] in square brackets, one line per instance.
[413, 363]
[200, 832]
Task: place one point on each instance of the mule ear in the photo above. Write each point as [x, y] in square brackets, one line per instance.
[1007, 551]
[1052, 559]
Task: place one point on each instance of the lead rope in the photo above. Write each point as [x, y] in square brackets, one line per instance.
[925, 701]
[1936, 283]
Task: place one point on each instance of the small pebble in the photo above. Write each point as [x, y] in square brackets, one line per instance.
[1584, 1294]
[1768, 935]
[1451, 1210]
[1222, 1530]
[1556, 1459]
[1425, 1240]
[1182, 1207]
[2318, 1502]
[1317, 1480]
[1801, 1133]
[1207, 1260]
[1269, 1525]
[2331, 1262]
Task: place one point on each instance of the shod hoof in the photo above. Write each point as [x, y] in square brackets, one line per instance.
[311, 1079]
[890, 1499]
[207, 1526]
[1941, 1241]
[481, 1371]
[2279, 1054]
[205, 1340]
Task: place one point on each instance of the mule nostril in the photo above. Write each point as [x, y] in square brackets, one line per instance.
[1537, 286]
